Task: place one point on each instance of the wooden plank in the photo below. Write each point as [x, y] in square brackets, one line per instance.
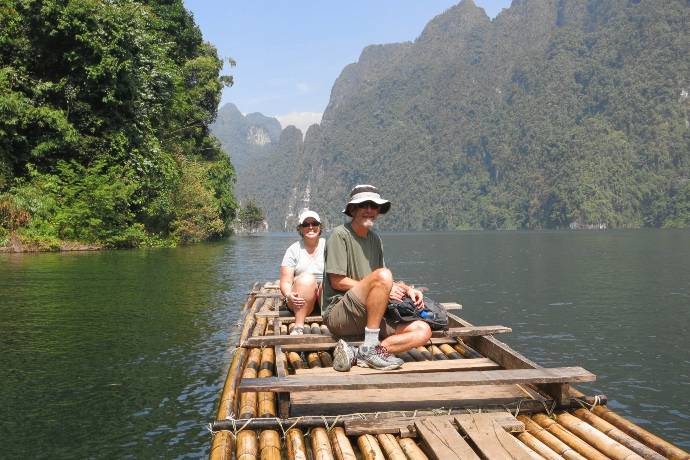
[491, 439]
[451, 306]
[473, 331]
[510, 359]
[264, 341]
[460, 397]
[396, 425]
[443, 440]
[415, 366]
[417, 380]
[328, 343]
[283, 398]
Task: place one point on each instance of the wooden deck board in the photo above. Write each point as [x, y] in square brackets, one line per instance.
[350, 402]
[417, 366]
[443, 440]
[397, 425]
[490, 438]
[263, 341]
[297, 383]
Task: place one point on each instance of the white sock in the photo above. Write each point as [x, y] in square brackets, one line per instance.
[371, 337]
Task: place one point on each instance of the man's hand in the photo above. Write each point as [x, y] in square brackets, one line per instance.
[416, 296]
[295, 302]
[398, 292]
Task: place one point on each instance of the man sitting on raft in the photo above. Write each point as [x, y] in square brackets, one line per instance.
[357, 287]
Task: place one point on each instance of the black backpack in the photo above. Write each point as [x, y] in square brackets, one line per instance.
[433, 313]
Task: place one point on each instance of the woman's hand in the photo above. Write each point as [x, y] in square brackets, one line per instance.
[295, 302]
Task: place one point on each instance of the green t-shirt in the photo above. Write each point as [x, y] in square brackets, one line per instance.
[350, 255]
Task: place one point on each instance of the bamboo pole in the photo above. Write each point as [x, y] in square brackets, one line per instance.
[221, 448]
[269, 445]
[222, 444]
[227, 397]
[570, 439]
[391, 447]
[315, 328]
[405, 356]
[665, 448]
[291, 326]
[283, 329]
[260, 327]
[296, 448]
[596, 438]
[425, 353]
[313, 360]
[450, 351]
[320, 444]
[549, 439]
[246, 445]
[326, 359]
[369, 448]
[266, 399]
[341, 445]
[537, 446]
[296, 361]
[618, 435]
[411, 449]
[416, 354]
[467, 351]
[324, 330]
[437, 353]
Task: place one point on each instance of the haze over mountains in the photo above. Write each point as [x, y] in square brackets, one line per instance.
[556, 113]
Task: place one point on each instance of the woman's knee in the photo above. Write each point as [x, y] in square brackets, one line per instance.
[304, 281]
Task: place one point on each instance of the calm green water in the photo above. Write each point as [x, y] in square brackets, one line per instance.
[123, 354]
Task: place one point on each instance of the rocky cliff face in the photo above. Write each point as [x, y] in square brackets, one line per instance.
[556, 112]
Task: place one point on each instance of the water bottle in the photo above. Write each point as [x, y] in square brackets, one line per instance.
[426, 314]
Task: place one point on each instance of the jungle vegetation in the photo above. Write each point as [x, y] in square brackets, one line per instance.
[105, 109]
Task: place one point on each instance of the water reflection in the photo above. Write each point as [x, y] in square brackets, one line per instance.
[123, 354]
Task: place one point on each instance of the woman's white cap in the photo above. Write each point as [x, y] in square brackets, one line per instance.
[306, 214]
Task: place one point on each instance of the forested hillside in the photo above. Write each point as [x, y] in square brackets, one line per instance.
[104, 115]
[556, 113]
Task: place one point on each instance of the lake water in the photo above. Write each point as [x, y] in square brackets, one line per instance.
[123, 354]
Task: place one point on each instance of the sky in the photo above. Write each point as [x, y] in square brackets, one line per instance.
[289, 53]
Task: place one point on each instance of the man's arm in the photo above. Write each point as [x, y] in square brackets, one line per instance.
[341, 282]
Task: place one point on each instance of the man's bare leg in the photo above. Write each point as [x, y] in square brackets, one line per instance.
[407, 336]
[374, 290]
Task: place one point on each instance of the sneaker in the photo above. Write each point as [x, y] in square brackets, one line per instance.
[344, 356]
[378, 358]
[297, 331]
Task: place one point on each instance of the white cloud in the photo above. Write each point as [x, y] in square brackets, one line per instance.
[300, 120]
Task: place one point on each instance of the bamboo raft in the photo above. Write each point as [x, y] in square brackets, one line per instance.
[466, 395]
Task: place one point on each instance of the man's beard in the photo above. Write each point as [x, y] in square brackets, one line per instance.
[368, 222]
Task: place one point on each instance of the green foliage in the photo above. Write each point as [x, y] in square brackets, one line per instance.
[250, 217]
[98, 101]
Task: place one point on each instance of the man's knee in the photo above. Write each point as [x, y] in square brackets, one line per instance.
[383, 277]
[422, 332]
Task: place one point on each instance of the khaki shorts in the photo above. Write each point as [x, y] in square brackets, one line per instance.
[348, 317]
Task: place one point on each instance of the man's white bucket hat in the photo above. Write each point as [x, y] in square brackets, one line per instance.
[362, 193]
[307, 214]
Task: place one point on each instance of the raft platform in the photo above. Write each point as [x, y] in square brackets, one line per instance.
[466, 395]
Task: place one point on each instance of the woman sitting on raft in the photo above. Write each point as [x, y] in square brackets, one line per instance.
[301, 271]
